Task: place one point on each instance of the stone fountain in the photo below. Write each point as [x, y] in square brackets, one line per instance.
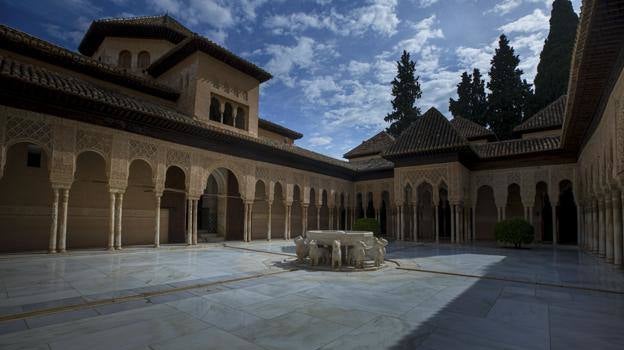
[343, 250]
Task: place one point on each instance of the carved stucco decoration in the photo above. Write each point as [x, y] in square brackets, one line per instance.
[143, 150]
[619, 118]
[87, 140]
[34, 129]
[181, 159]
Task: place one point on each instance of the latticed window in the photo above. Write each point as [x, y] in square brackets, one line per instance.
[143, 59]
[125, 59]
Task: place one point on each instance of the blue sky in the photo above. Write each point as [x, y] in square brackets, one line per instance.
[332, 61]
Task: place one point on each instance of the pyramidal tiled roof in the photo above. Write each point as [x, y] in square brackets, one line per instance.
[550, 117]
[158, 20]
[431, 133]
[471, 130]
[516, 147]
[375, 145]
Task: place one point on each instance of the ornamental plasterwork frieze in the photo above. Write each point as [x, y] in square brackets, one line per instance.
[225, 88]
[93, 141]
[32, 128]
[143, 150]
[619, 118]
[434, 176]
[179, 158]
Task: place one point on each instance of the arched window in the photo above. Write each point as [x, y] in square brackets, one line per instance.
[228, 115]
[241, 118]
[143, 59]
[125, 59]
[215, 110]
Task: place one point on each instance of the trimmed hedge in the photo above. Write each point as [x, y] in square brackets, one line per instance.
[367, 225]
[514, 231]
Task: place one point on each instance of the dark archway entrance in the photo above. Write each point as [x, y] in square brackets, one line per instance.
[566, 214]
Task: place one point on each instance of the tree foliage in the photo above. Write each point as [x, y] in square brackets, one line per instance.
[406, 90]
[514, 231]
[509, 94]
[553, 70]
[472, 100]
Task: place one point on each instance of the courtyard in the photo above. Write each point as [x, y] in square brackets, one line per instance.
[249, 296]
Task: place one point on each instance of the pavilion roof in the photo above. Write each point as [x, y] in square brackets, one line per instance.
[375, 145]
[471, 130]
[550, 117]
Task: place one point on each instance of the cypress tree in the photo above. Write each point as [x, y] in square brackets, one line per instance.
[553, 70]
[406, 90]
[472, 101]
[461, 107]
[478, 99]
[508, 92]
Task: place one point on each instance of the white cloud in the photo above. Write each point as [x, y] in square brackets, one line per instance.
[427, 3]
[306, 53]
[425, 31]
[506, 6]
[535, 22]
[377, 15]
[319, 140]
[217, 35]
[315, 87]
[358, 68]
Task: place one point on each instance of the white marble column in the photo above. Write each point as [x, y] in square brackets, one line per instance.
[617, 228]
[189, 221]
[270, 205]
[318, 217]
[157, 221]
[287, 219]
[111, 223]
[596, 226]
[331, 218]
[119, 220]
[609, 227]
[415, 221]
[473, 234]
[304, 219]
[602, 232]
[245, 220]
[54, 221]
[195, 211]
[452, 223]
[436, 222]
[401, 223]
[63, 225]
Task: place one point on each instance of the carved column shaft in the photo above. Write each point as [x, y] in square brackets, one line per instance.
[304, 219]
[54, 221]
[157, 222]
[63, 224]
[111, 223]
[415, 228]
[118, 220]
[617, 228]
[436, 223]
[270, 204]
[609, 227]
[189, 221]
[602, 232]
[318, 217]
[194, 225]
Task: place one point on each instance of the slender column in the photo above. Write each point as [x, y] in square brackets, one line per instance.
[189, 221]
[318, 217]
[54, 219]
[287, 221]
[415, 220]
[195, 211]
[452, 223]
[458, 225]
[473, 234]
[579, 226]
[602, 233]
[113, 211]
[617, 228]
[245, 221]
[596, 226]
[401, 223]
[157, 222]
[304, 219]
[250, 223]
[436, 223]
[270, 204]
[331, 218]
[63, 224]
[118, 223]
[609, 227]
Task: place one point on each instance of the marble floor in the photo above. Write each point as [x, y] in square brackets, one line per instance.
[248, 296]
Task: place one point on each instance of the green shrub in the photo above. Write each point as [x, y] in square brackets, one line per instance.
[514, 231]
[367, 225]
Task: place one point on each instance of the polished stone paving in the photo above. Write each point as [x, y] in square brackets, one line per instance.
[471, 297]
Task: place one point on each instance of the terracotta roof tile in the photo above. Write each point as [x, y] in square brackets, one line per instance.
[64, 85]
[24, 44]
[471, 130]
[550, 117]
[375, 145]
[432, 133]
[516, 147]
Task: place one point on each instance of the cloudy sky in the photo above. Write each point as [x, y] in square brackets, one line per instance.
[332, 61]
